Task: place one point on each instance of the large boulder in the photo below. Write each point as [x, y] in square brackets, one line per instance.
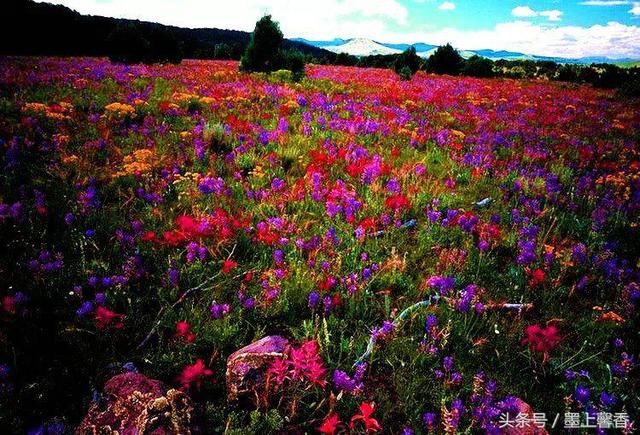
[246, 367]
[133, 404]
[521, 408]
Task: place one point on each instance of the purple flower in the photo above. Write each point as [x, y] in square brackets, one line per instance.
[608, 399]
[210, 185]
[429, 420]
[218, 311]
[447, 363]
[444, 284]
[313, 299]
[249, 303]
[174, 276]
[582, 394]
[277, 184]
[85, 309]
[579, 253]
[431, 322]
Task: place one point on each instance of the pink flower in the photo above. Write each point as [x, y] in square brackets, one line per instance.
[193, 375]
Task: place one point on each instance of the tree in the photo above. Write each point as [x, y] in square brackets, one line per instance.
[407, 63]
[445, 60]
[477, 66]
[263, 47]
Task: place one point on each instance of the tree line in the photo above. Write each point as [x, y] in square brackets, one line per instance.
[57, 30]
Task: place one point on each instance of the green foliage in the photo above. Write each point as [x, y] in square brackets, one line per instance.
[445, 60]
[630, 90]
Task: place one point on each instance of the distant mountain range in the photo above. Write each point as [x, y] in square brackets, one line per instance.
[367, 47]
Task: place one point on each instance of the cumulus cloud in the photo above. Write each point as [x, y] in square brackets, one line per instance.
[527, 12]
[635, 11]
[447, 6]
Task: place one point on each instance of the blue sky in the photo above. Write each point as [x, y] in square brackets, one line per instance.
[570, 28]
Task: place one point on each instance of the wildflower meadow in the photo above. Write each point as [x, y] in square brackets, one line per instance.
[435, 255]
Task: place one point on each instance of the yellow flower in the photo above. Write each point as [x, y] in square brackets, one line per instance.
[120, 109]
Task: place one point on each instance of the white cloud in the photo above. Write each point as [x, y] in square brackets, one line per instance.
[613, 39]
[312, 18]
[635, 11]
[527, 12]
[552, 15]
[447, 6]
[605, 2]
[523, 11]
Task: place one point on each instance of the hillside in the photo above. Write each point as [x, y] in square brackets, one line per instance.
[45, 29]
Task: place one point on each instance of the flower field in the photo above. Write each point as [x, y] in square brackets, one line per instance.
[437, 254]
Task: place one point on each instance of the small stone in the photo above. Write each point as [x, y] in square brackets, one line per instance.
[246, 367]
[133, 404]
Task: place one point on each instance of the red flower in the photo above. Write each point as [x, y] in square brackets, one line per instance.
[193, 375]
[537, 277]
[9, 304]
[228, 266]
[330, 423]
[105, 318]
[542, 339]
[183, 330]
[397, 202]
[370, 423]
[148, 236]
